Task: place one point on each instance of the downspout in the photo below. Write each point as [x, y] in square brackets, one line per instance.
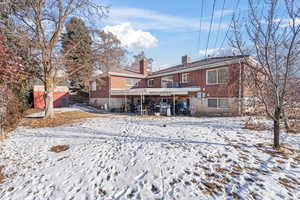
[109, 91]
[89, 91]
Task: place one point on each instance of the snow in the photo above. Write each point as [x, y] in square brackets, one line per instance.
[127, 157]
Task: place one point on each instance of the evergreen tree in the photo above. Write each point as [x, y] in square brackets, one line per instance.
[77, 50]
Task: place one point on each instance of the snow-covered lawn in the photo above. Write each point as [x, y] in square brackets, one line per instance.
[122, 157]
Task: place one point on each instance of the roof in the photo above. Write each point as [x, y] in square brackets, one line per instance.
[120, 72]
[214, 61]
[126, 72]
[200, 64]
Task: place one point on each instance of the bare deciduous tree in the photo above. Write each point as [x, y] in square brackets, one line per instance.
[108, 52]
[136, 61]
[44, 21]
[271, 34]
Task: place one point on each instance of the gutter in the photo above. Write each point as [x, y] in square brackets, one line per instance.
[127, 75]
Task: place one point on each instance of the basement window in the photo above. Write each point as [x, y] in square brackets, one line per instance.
[218, 103]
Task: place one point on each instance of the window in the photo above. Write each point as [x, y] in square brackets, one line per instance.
[132, 82]
[217, 76]
[185, 78]
[212, 103]
[223, 103]
[166, 81]
[218, 103]
[150, 83]
[212, 77]
[223, 76]
[94, 86]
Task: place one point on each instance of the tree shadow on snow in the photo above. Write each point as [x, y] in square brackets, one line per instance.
[104, 136]
[197, 124]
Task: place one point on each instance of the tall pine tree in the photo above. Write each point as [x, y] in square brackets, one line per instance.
[77, 50]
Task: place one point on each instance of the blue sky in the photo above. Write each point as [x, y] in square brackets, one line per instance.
[167, 29]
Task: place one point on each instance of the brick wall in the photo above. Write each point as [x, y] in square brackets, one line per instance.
[116, 82]
[120, 82]
[231, 89]
[102, 88]
[198, 78]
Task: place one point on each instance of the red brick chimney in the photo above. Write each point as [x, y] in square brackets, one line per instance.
[144, 67]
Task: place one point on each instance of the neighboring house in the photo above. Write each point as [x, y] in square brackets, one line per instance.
[208, 86]
[61, 95]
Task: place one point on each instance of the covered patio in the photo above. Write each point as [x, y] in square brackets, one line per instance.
[164, 101]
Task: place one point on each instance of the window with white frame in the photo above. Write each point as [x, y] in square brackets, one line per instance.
[132, 82]
[150, 83]
[217, 103]
[185, 77]
[94, 86]
[217, 76]
[166, 81]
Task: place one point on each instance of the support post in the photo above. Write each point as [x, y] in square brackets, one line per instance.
[109, 93]
[174, 104]
[141, 104]
[125, 103]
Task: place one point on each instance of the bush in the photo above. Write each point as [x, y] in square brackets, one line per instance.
[12, 108]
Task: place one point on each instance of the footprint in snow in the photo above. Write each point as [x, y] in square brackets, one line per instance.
[133, 153]
[141, 185]
[133, 162]
[154, 189]
[141, 175]
[119, 194]
[131, 193]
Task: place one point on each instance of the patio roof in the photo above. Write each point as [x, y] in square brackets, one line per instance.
[155, 91]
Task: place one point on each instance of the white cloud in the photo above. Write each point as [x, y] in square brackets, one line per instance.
[148, 19]
[132, 38]
[284, 22]
[218, 13]
[289, 22]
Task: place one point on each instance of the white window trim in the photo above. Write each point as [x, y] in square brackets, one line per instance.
[187, 78]
[218, 107]
[217, 76]
[148, 82]
[94, 86]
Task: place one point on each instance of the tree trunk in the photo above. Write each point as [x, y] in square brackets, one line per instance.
[49, 98]
[277, 127]
[286, 120]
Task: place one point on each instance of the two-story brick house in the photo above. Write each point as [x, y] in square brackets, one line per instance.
[209, 86]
